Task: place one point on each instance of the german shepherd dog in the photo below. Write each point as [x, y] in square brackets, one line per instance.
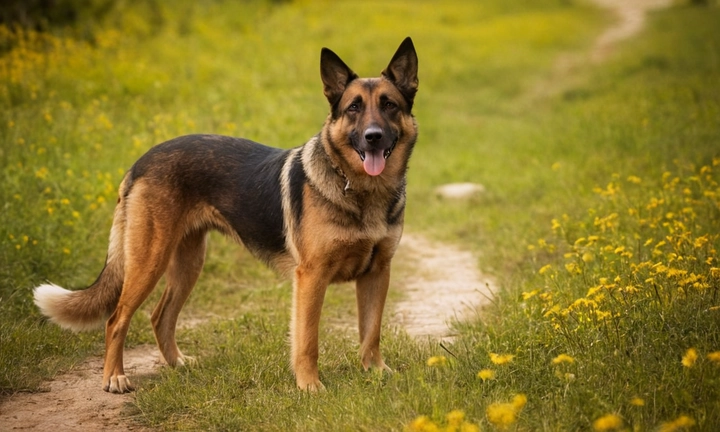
[328, 211]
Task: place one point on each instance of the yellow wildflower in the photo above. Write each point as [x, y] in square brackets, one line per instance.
[690, 358]
[680, 423]
[527, 295]
[555, 224]
[486, 374]
[608, 422]
[501, 359]
[42, 173]
[503, 415]
[545, 269]
[455, 418]
[437, 361]
[66, 251]
[519, 401]
[563, 358]
[637, 401]
[714, 357]
[469, 427]
[422, 424]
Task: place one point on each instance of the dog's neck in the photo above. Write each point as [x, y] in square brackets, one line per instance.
[324, 171]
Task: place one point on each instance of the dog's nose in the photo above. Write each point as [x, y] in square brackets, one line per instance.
[373, 134]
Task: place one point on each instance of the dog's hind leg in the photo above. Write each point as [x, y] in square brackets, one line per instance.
[184, 268]
[150, 238]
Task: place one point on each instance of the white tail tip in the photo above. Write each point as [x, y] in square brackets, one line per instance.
[53, 303]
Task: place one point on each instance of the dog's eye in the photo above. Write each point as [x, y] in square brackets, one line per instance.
[354, 107]
[390, 105]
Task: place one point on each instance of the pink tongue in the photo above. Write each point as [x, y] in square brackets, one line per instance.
[374, 162]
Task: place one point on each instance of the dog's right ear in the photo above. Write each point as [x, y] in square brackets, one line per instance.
[336, 75]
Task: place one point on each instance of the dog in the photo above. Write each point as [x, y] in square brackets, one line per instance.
[329, 211]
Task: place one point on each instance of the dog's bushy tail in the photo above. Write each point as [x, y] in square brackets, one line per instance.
[89, 308]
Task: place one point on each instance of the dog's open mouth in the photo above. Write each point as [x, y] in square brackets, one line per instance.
[374, 160]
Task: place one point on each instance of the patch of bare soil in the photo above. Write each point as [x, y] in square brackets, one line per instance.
[631, 20]
[446, 285]
[75, 400]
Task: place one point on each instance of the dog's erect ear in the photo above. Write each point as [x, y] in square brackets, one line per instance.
[336, 75]
[403, 69]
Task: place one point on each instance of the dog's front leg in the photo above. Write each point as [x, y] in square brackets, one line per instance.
[308, 295]
[371, 291]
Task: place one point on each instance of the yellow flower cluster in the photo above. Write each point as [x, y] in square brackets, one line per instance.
[455, 422]
[502, 415]
[681, 423]
[609, 422]
[563, 358]
[646, 250]
[691, 356]
[437, 361]
[486, 374]
[501, 359]
[670, 256]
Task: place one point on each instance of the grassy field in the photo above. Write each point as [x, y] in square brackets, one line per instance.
[600, 220]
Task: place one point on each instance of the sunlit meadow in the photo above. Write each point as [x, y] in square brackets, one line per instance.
[599, 221]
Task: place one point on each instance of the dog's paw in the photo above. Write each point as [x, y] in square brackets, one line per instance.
[383, 368]
[118, 384]
[310, 386]
[184, 360]
[379, 366]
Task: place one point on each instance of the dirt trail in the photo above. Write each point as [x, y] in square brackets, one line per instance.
[75, 401]
[631, 20]
[631, 16]
[446, 285]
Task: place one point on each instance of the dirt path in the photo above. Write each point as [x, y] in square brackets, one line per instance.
[75, 401]
[445, 285]
[631, 20]
[631, 16]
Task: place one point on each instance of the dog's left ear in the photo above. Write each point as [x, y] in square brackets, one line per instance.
[336, 75]
[403, 69]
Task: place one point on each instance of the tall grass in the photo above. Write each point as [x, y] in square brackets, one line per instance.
[599, 220]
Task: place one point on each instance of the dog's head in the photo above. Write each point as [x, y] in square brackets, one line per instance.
[371, 118]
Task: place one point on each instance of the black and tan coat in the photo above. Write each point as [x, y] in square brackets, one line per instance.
[328, 211]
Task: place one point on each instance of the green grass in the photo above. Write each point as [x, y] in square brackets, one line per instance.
[583, 186]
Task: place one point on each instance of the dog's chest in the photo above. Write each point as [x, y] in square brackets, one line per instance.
[351, 260]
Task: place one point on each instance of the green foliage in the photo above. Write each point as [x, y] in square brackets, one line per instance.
[44, 14]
